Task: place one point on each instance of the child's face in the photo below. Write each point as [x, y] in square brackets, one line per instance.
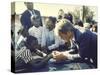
[49, 24]
[35, 21]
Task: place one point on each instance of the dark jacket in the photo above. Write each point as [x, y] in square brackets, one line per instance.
[26, 18]
[87, 42]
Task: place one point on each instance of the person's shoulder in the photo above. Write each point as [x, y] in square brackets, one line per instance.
[36, 10]
[25, 12]
[81, 34]
[32, 28]
[88, 35]
[80, 29]
[89, 32]
[41, 28]
[84, 31]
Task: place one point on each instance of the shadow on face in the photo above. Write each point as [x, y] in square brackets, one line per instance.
[49, 24]
[66, 36]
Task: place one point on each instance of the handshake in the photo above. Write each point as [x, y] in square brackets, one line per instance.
[59, 56]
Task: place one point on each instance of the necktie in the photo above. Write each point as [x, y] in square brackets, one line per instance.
[34, 14]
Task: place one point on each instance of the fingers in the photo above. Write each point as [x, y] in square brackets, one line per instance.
[57, 55]
[54, 54]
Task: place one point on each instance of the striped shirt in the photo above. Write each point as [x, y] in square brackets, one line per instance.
[24, 54]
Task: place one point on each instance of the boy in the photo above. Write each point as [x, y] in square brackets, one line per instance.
[25, 54]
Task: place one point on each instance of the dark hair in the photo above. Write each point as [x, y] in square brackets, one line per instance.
[69, 17]
[65, 26]
[80, 23]
[30, 40]
[53, 19]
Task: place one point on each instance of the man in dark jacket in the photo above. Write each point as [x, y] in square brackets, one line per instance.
[85, 39]
[28, 15]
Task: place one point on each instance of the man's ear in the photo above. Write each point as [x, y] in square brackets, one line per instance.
[70, 34]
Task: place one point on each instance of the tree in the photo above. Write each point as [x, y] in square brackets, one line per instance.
[87, 14]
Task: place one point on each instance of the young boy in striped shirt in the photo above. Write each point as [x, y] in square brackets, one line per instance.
[36, 61]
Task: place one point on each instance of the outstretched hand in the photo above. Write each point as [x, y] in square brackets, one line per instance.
[58, 56]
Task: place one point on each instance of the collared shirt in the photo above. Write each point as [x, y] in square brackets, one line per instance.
[33, 14]
[50, 39]
[47, 37]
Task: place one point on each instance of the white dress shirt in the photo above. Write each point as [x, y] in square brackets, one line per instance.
[47, 37]
[50, 39]
[33, 14]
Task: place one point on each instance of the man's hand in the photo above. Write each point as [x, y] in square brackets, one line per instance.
[58, 56]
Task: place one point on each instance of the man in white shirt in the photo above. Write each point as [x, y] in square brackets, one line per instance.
[49, 39]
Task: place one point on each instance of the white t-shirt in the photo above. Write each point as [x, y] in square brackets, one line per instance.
[36, 32]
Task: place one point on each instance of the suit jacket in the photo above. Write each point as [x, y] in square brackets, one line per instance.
[87, 42]
[26, 18]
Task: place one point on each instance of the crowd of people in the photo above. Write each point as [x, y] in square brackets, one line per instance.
[57, 38]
